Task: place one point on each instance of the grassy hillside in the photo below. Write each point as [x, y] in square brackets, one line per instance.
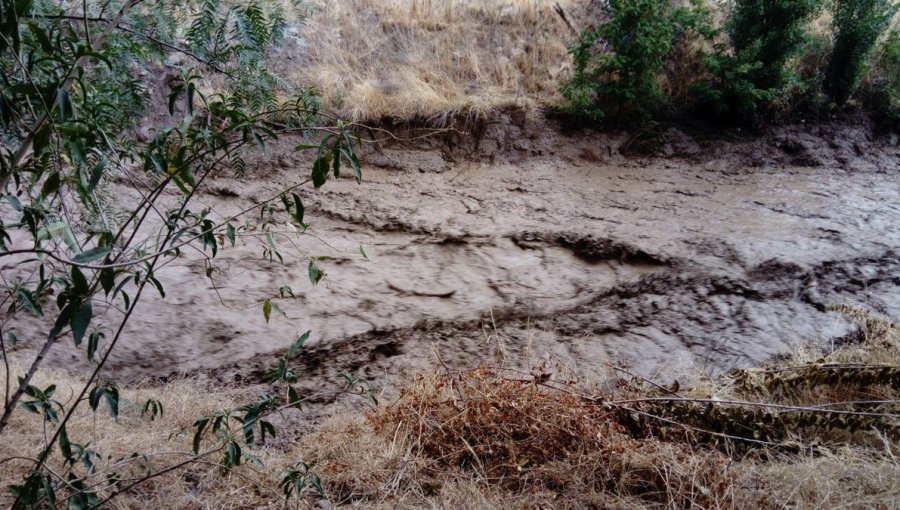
[429, 60]
[434, 59]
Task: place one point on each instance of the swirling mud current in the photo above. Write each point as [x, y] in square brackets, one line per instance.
[563, 250]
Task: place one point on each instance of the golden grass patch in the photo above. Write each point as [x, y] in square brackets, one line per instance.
[433, 60]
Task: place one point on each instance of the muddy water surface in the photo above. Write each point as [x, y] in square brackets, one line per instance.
[659, 263]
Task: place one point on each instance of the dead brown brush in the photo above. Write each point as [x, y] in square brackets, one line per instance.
[499, 438]
[496, 426]
[525, 435]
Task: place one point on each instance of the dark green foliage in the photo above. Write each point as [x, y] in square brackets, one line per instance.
[236, 39]
[618, 64]
[881, 91]
[76, 87]
[769, 32]
[857, 26]
[747, 75]
[889, 66]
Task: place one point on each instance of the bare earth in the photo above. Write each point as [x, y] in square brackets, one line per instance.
[721, 252]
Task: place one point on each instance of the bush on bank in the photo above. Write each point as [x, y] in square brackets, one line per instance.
[751, 62]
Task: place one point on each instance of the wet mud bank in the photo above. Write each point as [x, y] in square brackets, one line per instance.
[553, 247]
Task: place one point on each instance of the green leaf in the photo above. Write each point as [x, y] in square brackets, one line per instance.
[51, 185]
[65, 316]
[94, 397]
[91, 255]
[14, 202]
[266, 427]
[41, 138]
[64, 105]
[112, 400]
[96, 175]
[191, 88]
[158, 285]
[298, 344]
[93, 343]
[362, 250]
[80, 285]
[232, 454]
[153, 407]
[316, 482]
[294, 398]
[32, 391]
[198, 436]
[315, 274]
[28, 299]
[107, 280]
[230, 234]
[69, 238]
[354, 163]
[267, 309]
[81, 319]
[173, 97]
[298, 209]
[259, 141]
[65, 447]
[336, 160]
[320, 172]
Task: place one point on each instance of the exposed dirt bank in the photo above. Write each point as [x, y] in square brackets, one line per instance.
[722, 252]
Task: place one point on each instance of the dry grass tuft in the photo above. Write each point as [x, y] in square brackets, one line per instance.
[527, 436]
[497, 426]
[159, 443]
[433, 60]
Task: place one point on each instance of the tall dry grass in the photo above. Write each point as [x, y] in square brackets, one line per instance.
[433, 59]
[436, 60]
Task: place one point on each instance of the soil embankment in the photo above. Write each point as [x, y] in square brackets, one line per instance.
[722, 252]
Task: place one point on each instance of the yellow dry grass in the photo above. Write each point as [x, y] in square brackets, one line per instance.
[499, 438]
[432, 60]
[162, 442]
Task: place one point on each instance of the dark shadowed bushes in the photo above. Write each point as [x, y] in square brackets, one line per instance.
[618, 63]
[857, 26]
[647, 60]
[749, 72]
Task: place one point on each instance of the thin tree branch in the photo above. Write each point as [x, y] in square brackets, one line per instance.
[25, 147]
[149, 37]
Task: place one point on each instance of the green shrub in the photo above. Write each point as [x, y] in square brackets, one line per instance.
[621, 79]
[749, 74]
[881, 93]
[889, 66]
[857, 26]
[77, 83]
[769, 32]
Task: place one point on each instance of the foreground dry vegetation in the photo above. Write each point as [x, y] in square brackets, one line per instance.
[812, 430]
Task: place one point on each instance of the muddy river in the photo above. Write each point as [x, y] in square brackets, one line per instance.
[541, 247]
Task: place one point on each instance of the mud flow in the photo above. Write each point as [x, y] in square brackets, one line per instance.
[561, 249]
